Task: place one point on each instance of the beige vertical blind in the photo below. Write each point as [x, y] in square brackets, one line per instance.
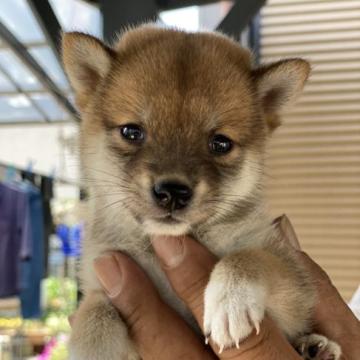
[314, 158]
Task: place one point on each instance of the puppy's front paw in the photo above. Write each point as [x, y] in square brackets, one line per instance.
[233, 308]
[317, 347]
[99, 333]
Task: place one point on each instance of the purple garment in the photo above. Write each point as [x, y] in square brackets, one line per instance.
[15, 236]
[32, 267]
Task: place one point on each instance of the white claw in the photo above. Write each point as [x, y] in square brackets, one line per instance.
[320, 345]
[232, 311]
[206, 340]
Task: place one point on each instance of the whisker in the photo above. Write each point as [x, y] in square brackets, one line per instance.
[103, 172]
[93, 180]
[106, 194]
[98, 180]
[111, 204]
[217, 206]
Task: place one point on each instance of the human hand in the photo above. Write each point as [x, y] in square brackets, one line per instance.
[156, 329]
[333, 318]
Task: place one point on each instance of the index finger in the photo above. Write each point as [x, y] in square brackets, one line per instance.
[188, 265]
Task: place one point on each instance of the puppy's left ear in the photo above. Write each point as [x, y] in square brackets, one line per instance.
[86, 61]
[278, 85]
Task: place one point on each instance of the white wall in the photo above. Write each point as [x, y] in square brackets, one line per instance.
[51, 148]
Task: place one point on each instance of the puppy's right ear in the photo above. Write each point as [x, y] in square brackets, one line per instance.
[86, 60]
[280, 84]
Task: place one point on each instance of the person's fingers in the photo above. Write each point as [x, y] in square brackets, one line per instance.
[332, 318]
[156, 329]
[188, 265]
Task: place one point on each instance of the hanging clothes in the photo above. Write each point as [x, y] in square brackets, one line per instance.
[15, 236]
[21, 245]
[46, 186]
[47, 193]
[32, 267]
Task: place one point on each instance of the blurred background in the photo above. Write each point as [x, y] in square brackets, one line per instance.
[313, 167]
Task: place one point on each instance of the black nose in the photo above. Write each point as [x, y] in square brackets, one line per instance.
[172, 195]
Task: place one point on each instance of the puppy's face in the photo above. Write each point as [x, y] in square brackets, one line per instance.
[174, 124]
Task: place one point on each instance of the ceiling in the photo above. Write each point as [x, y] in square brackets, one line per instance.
[23, 98]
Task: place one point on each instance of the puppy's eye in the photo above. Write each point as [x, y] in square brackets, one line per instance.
[220, 144]
[132, 133]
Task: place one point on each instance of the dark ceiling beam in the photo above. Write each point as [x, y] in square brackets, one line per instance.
[20, 50]
[239, 17]
[176, 4]
[165, 4]
[49, 24]
[255, 37]
[119, 14]
[92, 2]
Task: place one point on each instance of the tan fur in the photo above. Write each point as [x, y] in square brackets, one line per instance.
[96, 309]
[286, 290]
[182, 88]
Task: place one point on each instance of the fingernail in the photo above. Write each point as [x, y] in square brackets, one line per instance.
[108, 271]
[289, 232]
[170, 249]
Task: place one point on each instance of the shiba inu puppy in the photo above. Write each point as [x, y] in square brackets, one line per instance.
[173, 136]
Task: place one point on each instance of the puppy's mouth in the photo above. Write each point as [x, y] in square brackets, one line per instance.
[168, 219]
[167, 224]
